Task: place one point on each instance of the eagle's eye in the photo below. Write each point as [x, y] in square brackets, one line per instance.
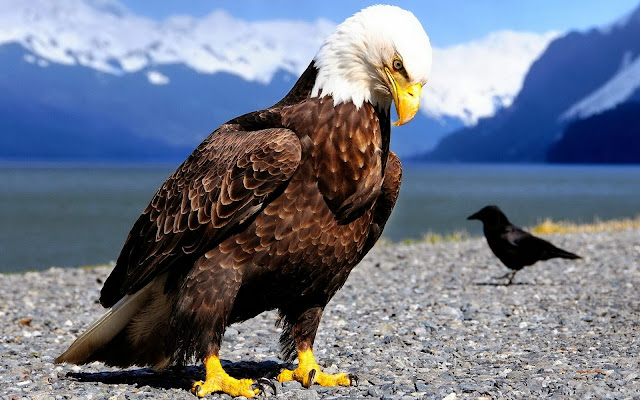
[397, 64]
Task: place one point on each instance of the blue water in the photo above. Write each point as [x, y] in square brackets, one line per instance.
[75, 215]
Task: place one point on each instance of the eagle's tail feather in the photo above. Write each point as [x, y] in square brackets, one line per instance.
[105, 329]
[131, 332]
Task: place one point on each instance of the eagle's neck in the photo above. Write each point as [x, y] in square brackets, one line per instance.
[384, 118]
[303, 87]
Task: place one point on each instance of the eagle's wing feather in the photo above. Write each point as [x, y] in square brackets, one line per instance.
[222, 185]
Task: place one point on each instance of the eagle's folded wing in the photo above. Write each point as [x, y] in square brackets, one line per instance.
[223, 184]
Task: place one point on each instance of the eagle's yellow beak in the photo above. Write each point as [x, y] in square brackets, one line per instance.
[405, 96]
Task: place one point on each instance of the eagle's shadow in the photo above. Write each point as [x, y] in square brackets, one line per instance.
[180, 377]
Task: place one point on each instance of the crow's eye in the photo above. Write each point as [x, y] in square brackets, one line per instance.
[397, 64]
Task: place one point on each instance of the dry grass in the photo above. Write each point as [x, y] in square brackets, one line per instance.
[429, 237]
[457, 236]
[104, 265]
[549, 226]
[546, 227]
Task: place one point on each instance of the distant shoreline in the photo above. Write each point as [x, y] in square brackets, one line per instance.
[82, 214]
[547, 227]
[407, 160]
[90, 164]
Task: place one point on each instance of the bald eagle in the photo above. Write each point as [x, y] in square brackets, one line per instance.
[271, 211]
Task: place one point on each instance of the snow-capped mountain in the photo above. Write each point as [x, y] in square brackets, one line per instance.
[74, 37]
[469, 80]
[472, 80]
[115, 41]
[618, 89]
[610, 137]
[578, 76]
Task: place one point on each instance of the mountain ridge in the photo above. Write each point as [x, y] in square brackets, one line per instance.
[66, 114]
[138, 50]
[573, 69]
[610, 137]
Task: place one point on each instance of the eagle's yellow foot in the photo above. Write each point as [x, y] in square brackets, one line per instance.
[309, 372]
[219, 381]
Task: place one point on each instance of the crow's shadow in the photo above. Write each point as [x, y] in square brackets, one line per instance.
[178, 377]
[502, 283]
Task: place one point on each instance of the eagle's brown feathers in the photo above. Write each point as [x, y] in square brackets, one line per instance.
[217, 190]
[272, 211]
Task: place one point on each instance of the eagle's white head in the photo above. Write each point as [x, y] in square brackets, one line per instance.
[379, 55]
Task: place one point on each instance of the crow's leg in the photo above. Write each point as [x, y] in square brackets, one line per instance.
[509, 275]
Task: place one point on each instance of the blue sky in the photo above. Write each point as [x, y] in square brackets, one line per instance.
[447, 22]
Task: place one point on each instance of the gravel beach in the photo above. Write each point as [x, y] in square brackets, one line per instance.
[413, 321]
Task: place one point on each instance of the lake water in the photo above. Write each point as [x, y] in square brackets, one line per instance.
[80, 215]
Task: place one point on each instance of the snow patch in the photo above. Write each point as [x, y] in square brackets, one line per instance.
[613, 92]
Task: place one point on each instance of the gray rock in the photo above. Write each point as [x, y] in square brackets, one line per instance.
[412, 322]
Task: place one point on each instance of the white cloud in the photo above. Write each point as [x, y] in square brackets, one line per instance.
[157, 78]
[469, 80]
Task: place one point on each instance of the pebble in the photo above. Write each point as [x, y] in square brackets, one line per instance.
[412, 322]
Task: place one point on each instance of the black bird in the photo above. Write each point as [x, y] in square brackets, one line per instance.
[515, 247]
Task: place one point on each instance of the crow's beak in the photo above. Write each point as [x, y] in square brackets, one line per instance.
[474, 216]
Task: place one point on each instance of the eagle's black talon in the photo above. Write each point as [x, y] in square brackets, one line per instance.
[262, 382]
[196, 389]
[258, 385]
[312, 378]
[353, 379]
